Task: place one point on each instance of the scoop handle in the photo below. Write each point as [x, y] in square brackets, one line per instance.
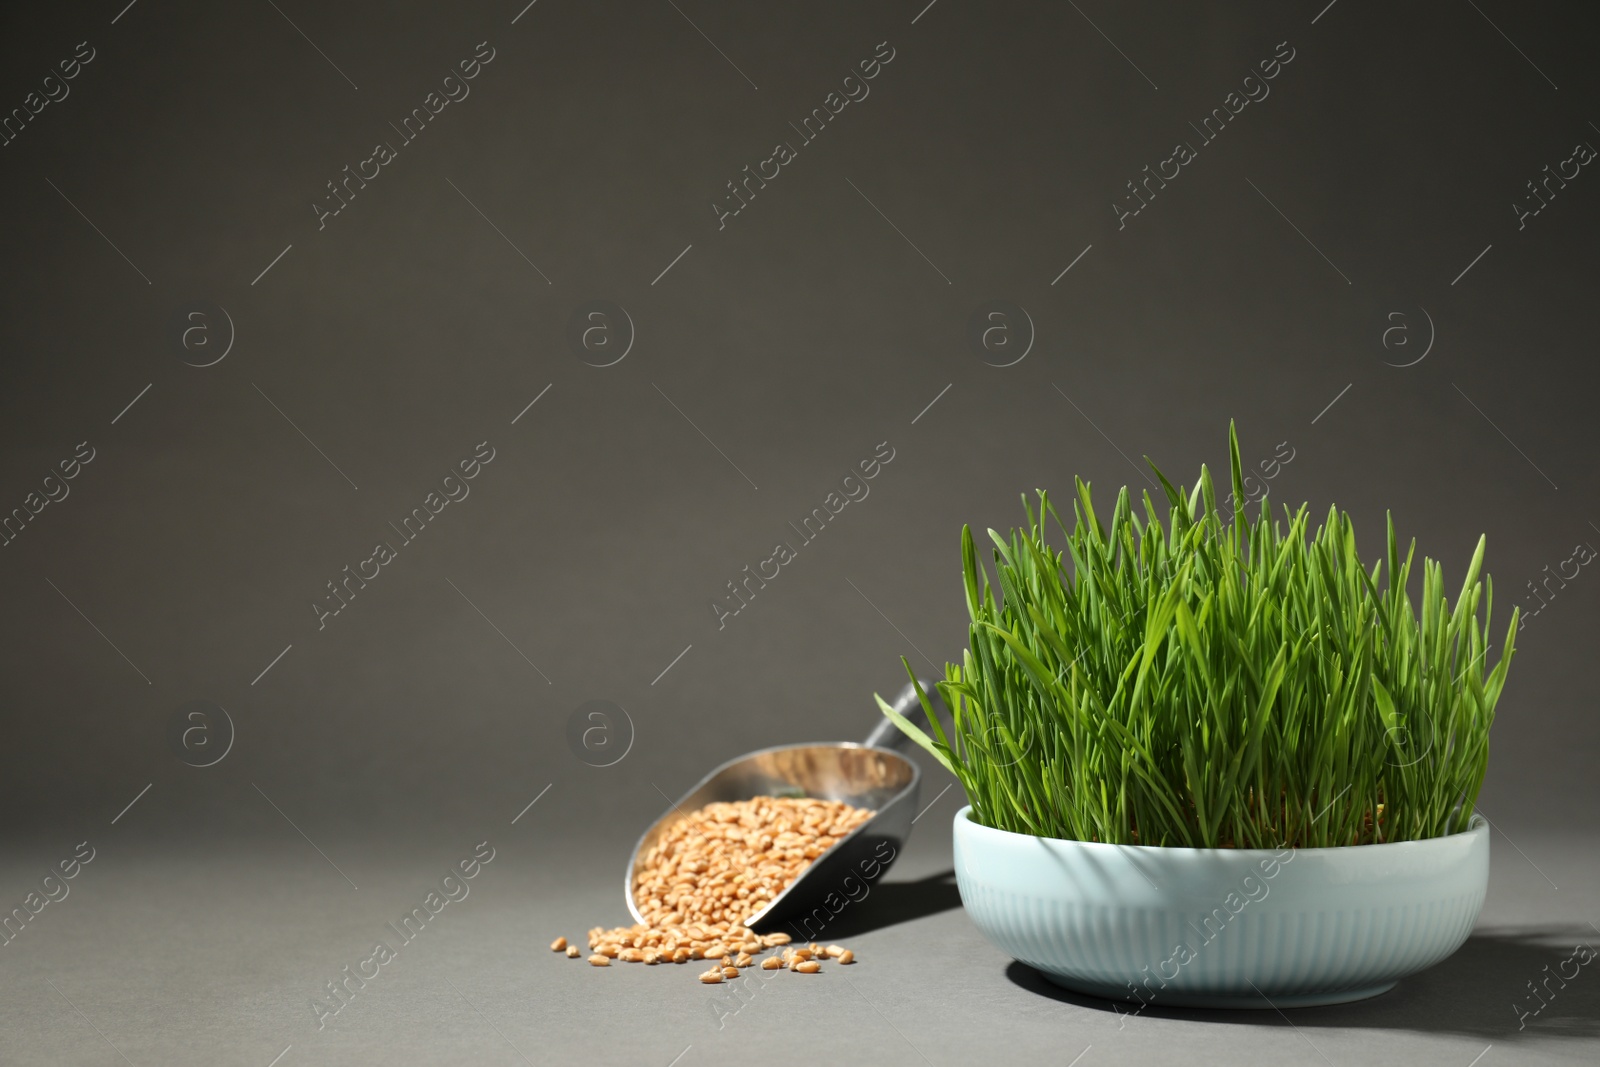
[887, 735]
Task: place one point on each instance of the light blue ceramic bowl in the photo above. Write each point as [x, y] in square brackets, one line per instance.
[1222, 928]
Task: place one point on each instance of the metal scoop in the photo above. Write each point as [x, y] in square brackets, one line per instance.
[868, 775]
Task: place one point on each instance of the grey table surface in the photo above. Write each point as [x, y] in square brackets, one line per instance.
[210, 949]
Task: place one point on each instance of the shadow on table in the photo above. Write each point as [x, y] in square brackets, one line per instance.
[1481, 991]
[892, 903]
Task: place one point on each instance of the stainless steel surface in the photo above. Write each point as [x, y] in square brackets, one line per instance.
[865, 776]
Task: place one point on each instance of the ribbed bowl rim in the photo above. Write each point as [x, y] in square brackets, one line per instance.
[1477, 824]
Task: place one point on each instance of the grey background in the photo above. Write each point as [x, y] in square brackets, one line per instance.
[819, 322]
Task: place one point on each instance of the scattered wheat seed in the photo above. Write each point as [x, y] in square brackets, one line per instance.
[709, 872]
[598, 960]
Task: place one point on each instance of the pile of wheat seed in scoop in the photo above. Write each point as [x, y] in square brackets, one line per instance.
[713, 869]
